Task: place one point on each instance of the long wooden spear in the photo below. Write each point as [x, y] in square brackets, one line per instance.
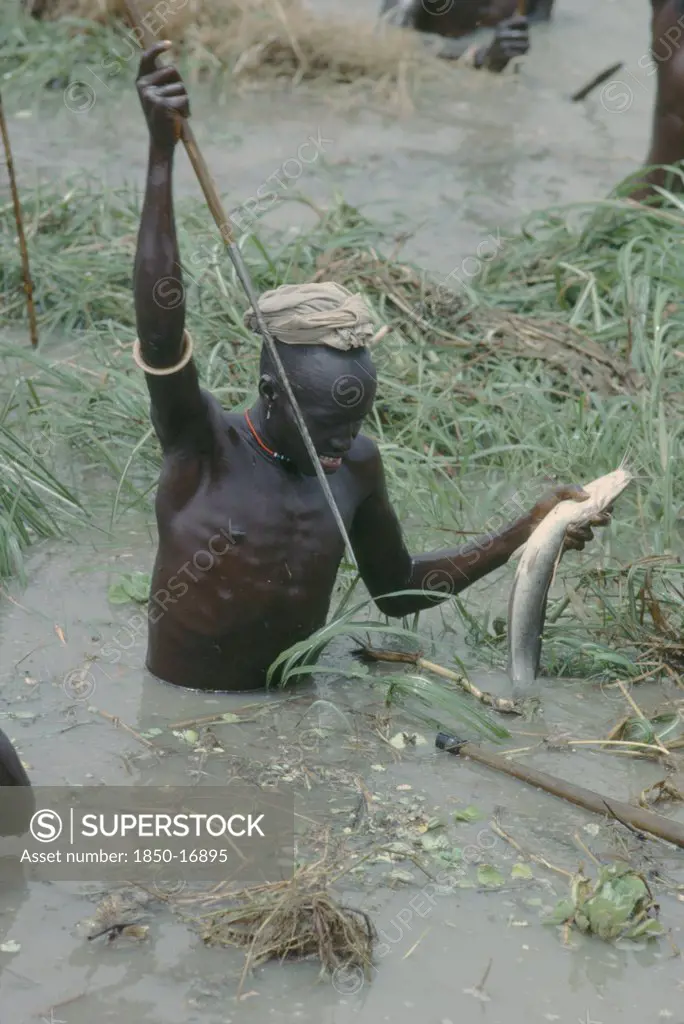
[28, 284]
[226, 230]
[637, 817]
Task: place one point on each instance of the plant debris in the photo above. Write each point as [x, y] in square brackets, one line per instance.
[664, 791]
[490, 877]
[297, 918]
[653, 731]
[467, 814]
[134, 586]
[618, 905]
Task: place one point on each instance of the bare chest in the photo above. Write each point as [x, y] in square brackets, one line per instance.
[257, 523]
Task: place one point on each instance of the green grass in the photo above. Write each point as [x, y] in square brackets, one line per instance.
[463, 424]
[70, 50]
[33, 53]
[219, 43]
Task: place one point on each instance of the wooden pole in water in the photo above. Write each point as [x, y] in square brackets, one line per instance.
[522, 8]
[226, 231]
[637, 817]
[28, 284]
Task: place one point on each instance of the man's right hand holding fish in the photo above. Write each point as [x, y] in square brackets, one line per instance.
[575, 536]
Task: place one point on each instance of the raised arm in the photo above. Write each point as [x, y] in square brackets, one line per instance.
[179, 408]
[452, 35]
[386, 566]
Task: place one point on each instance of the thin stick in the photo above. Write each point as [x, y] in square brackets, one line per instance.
[613, 743]
[586, 849]
[597, 80]
[55, 1006]
[523, 750]
[630, 700]
[188, 723]
[226, 230]
[501, 704]
[121, 724]
[113, 930]
[617, 728]
[417, 943]
[522, 8]
[495, 827]
[150, 892]
[28, 283]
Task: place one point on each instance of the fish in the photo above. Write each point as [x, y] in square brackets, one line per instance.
[16, 810]
[536, 572]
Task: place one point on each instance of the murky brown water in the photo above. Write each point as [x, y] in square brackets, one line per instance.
[465, 166]
[432, 948]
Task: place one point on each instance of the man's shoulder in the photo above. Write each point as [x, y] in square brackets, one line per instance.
[365, 462]
[364, 451]
[204, 431]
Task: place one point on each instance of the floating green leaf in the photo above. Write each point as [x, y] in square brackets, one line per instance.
[434, 841]
[562, 912]
[521, 870]
[187, 735]
[434, 823]
[452, 856]
[133, 587]
[467, 814]
[490, 876]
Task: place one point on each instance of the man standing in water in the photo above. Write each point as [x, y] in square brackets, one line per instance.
[242, 486]
[453, 27]
[667, 132]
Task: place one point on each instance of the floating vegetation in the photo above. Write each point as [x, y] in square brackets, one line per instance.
[297, 918]
[134, 586]
[436, 704]
[652, 731]
[617, 905]
[664, 791]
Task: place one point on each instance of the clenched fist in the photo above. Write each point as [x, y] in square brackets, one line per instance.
[576, 536]
[163, 97]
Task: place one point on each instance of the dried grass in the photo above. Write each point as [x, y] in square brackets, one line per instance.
[580, 364]
[280, 38]
[294, 919]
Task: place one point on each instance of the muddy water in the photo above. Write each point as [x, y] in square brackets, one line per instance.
[470, 162]
[479, 153]
[434, 949]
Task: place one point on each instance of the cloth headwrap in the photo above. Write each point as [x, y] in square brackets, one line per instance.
[315, 314]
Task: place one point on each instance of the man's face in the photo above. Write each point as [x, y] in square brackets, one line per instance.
[335, 393]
